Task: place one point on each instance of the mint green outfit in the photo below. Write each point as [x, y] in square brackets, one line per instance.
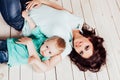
[18, 53]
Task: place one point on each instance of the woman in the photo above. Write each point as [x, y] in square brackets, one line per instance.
[87, 50]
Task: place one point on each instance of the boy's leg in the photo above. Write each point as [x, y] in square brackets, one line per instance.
[3, 56]
[3, 51]
[11, 11]
[3, 45]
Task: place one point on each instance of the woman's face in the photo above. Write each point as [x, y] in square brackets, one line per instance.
[83, 46]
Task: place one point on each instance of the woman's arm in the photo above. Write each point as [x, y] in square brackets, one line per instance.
[36, 3]
[52, 4]
[29, 20]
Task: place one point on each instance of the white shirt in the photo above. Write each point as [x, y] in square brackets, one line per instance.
[56, 22]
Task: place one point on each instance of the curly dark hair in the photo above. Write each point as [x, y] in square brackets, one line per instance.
[94, 62]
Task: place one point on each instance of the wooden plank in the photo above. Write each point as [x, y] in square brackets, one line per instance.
[64, 71]
[90, 76]
[110, 24]
[38, 76]
[3, 72]
[76, 6]
[26, 72]
[114, 38]
[115, 11]
[86, 9]
[103, 20]
[14, 73]
[118, 4]
[4, 28]
[103, 73]
[116, 19]
[67, 5]
[77, 74]
[50, 75]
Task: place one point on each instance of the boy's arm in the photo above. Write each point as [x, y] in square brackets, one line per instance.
[40, 66]
[30, 46]
[28, 19]
[32, 51]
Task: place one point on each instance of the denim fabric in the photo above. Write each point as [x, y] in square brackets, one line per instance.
[3, 51]
[11, 11]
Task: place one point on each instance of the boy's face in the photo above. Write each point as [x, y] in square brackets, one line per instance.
[49, 49]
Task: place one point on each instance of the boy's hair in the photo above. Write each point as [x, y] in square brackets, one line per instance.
[98, 58]
[60, 43]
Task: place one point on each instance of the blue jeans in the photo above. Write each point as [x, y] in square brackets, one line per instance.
[3, 51]
[11, 11]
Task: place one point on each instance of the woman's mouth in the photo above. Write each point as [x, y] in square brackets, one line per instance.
[77, 44]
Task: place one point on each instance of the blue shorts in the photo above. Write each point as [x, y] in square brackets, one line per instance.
[3, 51]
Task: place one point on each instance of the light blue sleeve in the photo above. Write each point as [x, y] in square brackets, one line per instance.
[26, 31]
[37, 32]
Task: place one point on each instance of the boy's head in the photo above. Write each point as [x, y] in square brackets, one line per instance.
[52, 46]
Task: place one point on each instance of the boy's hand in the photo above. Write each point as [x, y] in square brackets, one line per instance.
[32, 59]
[24, 40]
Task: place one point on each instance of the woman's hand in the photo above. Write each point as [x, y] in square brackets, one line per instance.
[24, 40]
[33, 3]
[25, 14]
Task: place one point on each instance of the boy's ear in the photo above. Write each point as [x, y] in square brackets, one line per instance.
[57, 54]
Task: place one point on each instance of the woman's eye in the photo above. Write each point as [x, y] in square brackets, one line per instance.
[87, 47]
[81, 52]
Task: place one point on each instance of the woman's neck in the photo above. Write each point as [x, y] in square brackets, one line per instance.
[76, 33]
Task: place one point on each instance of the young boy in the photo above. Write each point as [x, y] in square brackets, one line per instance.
[31, 49]
[16, 53]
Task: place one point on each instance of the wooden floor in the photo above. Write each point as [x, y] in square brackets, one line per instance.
[104, 15]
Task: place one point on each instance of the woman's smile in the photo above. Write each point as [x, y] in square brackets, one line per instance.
[78, 44]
